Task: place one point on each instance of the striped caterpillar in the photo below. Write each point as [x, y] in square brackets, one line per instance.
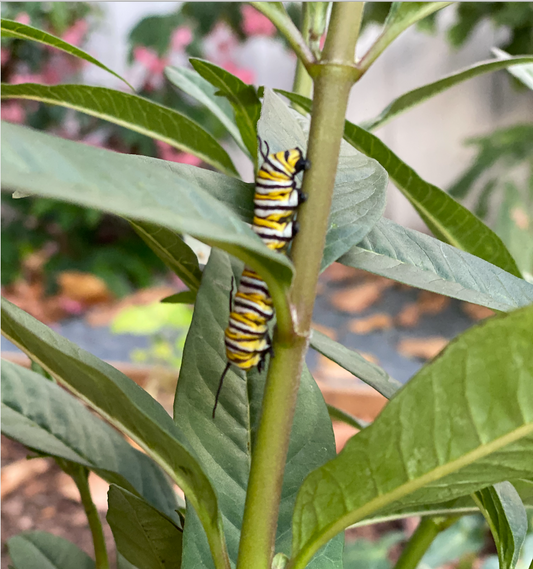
[275, 203]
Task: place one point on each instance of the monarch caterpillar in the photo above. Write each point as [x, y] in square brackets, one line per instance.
[276, 200]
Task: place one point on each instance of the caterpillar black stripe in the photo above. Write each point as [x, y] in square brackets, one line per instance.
[275, 203]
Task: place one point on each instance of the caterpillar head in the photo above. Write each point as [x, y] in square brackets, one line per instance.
[296, 161]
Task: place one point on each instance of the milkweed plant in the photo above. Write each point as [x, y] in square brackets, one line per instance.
[262, 482]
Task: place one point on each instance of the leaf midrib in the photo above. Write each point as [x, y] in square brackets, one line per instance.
[380, 502]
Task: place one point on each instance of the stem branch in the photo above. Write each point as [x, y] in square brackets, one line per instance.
[422, 538]
[332, 88]
[80, 476]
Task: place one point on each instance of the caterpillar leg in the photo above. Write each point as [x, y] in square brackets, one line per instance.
[295, 229]
[302, 198]
[268, 350]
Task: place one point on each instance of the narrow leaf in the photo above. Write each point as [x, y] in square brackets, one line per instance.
[11, 29]
[172, 250]
[416, 96]
[184, 297]
[197, 87]
[143, 535]
[422, 261]
[139, 189]
[336, 414]
[127, 407]
[447, 219]
[42, 550]
[224, 445]
[43, 416]
[402, 15]
[354, 362]
[507, 518]
[243, 99]
[359, 194]
[132, 112]
[416, 451]
[523, 73]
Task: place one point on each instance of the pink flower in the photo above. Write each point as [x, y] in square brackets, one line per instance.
[23, 18]
[219, 43]
[181, 38]
[26, 78]
[145, 56]
[6, 54]
[167, 152]
[71, 306]
[244, 74]
[12, 111]
[254, 23]
[76, 33]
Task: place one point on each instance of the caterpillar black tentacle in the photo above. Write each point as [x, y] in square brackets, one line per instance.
[276, 200]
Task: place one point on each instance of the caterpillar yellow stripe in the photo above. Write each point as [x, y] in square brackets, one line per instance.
[276, 201]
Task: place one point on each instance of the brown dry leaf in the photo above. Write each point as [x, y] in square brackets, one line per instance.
[329, 332]
[99, 489]
[359, 298]
[67, 487]
[16, 473]
[103, 315]
[342, 432]
[475, 311]
[380, 321]
[337, 273]
[370, 357]
[423, 348]
[409, 316]
[48, 512]
[83, 287]
[431, 302]
[328, 370]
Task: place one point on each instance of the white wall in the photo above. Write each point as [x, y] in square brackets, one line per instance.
[430, 138]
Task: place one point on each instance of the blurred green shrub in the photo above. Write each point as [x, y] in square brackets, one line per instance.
[165, 324]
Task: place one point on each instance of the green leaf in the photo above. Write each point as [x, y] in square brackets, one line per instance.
[360, 188]
[507, 518]
[43, 416]
[126, 406]
[197, 87]
[224, 445]
[243, 99]
[354, 362]
[402, 15]
[448, 220]
[172, 250]
[184, 297]
[143, 535]
[336, 414]
[11, 29]
[421, 94]
[419, 260]
[465, 421]
[523, 73]
[42, 550]
[140, 189]
[132, 112]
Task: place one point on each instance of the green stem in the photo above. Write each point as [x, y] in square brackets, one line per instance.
[422, 538]
[332, 88]
[80, 476]
[302, 80]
